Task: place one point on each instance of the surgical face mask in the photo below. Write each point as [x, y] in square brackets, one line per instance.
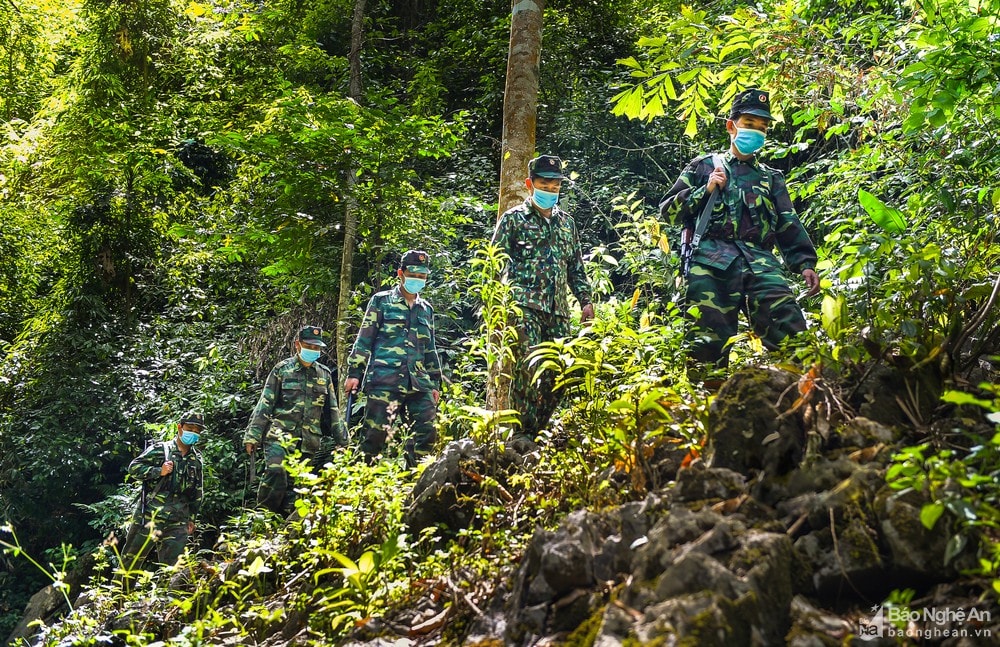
[189, 437]
[544, 199]
[308, 355]
[413, 285]
[748, 141]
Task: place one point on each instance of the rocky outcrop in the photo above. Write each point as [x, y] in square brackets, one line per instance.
[757, 545]
[748, 429]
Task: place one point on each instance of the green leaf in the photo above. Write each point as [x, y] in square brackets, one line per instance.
[366, 563]
[889, 219]
[256, 568]
[834, 314]
[961, 397]
[628, 103]
[930, 514]
[692, 125]
[630, 62]
[954, 547]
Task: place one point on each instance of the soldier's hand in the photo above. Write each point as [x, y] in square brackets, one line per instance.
[250, 447]
[351, 384]
[436, 395]
[717, 179]
[812, 281]
[167, 468]
[587, 313]
[190, 527]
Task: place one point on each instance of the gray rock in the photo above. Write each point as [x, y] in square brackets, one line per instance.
[746, 429]
[862, 432]
[813, 627]
[700, 482]
[914, 550]
[438, 498]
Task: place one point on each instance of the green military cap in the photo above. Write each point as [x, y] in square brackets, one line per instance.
[751, 102]
[548, 166]
[312, 335]
[192, 418]
[416, 261]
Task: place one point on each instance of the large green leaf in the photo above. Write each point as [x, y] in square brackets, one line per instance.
[889, 219]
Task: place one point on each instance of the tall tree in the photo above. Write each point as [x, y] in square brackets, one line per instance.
[520, 99]
[518, 145]
[351, 201]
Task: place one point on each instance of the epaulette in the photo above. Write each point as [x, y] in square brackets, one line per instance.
[520, 207]
[771, 169]
[285, 362]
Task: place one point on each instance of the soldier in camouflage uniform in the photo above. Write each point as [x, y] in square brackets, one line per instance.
[545, 264]
[734, 267]
[396, 355]
[172, 490]
[296, 408]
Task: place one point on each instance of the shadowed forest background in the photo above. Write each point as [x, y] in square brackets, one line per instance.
[174, 177]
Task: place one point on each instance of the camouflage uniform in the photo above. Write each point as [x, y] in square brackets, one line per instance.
[734, 267]
[395, 356]
[545, 264]
[168, 502]
[296, 408]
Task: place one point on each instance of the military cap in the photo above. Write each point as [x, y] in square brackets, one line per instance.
[751, 102]
[192, 418]
[312, 335]
[416, 261]
[548, 166]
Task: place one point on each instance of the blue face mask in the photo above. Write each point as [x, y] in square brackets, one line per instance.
[748, 141]
[413, 285]
[544, 199]
[189, 437]
[308, 355]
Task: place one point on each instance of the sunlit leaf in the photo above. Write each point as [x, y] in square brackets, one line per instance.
[889, 219]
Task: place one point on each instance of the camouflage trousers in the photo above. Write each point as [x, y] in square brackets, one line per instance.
[168, 541]
[384, 408]
[276, 491]
[535, 400]
[721, 295]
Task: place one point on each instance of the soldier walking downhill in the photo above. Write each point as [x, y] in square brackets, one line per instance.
[296, 408]
[396, 356]
[734, 267]
[171, 473]
[545, 263]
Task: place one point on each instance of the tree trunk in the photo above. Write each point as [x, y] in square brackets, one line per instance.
[520, 100]
[518, 145]
[350, 207]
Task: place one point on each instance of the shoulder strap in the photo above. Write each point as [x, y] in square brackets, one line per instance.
[706, 214]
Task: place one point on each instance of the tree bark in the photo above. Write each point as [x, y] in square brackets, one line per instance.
[350, 207]
[520, 104]
[520, 100]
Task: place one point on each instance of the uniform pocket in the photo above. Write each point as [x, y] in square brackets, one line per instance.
[292, 392]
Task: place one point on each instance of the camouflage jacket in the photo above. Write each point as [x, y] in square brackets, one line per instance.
[545, 258]
[396, 348]
[298, 402]
[753, 214]
[176, 497]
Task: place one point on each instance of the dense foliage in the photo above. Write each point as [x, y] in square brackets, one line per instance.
[173, 181]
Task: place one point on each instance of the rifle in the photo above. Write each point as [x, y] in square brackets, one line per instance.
[691, 237]
[347, 414]
[136, 525]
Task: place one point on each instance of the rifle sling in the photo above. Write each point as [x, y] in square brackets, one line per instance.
[706, 213]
